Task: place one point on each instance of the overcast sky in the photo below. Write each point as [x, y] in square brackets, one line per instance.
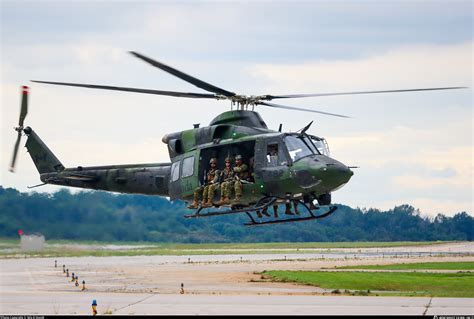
[412, 148]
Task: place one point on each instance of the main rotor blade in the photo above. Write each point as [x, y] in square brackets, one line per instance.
[299, 109]
[24, 105]
[183, 76]
[146, 91]
[15, 152]
[289, 96]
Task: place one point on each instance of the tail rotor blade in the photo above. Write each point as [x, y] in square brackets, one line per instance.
[24, 105]
[15, 152]
[19, 129]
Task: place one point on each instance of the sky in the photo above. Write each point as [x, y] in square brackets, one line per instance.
[411, 148]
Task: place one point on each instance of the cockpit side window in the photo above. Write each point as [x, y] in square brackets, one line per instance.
[272, 155]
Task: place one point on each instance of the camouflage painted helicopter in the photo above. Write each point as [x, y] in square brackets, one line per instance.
[299, 171]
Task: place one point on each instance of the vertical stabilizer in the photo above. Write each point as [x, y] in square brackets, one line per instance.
[44, 159]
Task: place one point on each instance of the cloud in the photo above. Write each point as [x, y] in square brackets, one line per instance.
[404, 67]
[426, 183]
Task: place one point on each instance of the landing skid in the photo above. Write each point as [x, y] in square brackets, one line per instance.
[265, 203]
[331, 209]
[235, 209]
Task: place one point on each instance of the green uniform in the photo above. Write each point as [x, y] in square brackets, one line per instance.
[227, 179]
[207, 191]
[241, 174]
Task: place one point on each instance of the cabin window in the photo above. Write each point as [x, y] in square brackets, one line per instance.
[188, 167]
[175, 171]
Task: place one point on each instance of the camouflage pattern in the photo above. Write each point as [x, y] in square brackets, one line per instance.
[227, 180]
[241, 174]
[309, 176]
[208, 190]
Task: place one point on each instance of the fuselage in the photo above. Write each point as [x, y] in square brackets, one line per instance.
[283, 165]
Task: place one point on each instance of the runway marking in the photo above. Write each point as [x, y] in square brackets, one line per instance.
[427, 306]
[134, 303]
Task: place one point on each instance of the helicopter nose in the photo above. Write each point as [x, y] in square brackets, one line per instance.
[340, 173]
[344, 172]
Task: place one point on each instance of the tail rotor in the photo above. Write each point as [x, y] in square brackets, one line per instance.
[19, 128]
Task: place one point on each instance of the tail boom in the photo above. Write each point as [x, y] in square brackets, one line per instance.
[151, 179]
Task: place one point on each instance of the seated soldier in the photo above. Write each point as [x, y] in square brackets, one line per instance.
[241, 171]
[227, 180]
[207, 190]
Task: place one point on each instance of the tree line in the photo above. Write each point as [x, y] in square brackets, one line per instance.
[101, 216]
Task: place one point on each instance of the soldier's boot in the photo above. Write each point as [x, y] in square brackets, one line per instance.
[194, 205]
[311, 205]
[224, 201]
[237, 199]
[288, 209]
[208, 203]
[275, 211]
[259, 215]
[221, 201]
[295, 205]
[205, 203]
[264, 212]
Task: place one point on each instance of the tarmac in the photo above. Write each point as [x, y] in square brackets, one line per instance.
[213, 284]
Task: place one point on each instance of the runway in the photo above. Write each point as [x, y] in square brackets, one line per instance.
[213, 284]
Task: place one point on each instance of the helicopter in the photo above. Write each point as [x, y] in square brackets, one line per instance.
[284, 167]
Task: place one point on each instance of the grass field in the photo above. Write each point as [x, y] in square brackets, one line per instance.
[418, 266]
[378, 283]
[64, 248]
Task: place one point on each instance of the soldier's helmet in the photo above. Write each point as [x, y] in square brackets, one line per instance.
[238, 157]
[213, 160]
[228, 159]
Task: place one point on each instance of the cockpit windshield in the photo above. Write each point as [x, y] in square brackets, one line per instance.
[297, 147]
[321, 145]
[311, 144]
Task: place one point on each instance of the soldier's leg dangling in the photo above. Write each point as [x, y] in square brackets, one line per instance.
[238, 191]
[197, 193]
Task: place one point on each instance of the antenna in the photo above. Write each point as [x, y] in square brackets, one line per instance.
[304, 129]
